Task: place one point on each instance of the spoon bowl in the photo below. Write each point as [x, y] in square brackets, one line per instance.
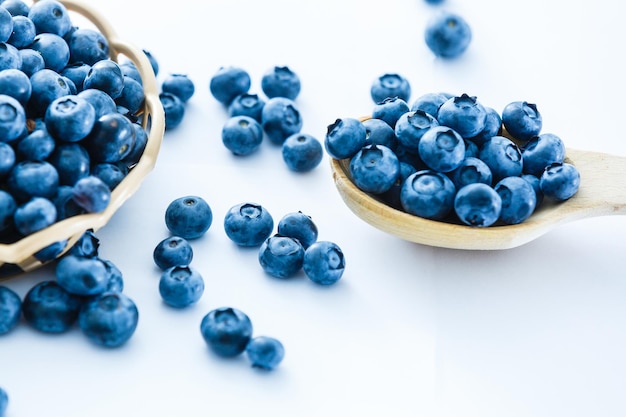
[602, 192]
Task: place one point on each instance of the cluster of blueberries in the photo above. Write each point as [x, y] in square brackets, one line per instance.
[69, 130]
[251, 117]
[450, 158]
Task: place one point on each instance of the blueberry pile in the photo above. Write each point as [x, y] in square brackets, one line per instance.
[87, 290]
[451, 158]
[70, 124]
[252, 118]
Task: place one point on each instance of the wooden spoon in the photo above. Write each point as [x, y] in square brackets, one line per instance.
[602, 192]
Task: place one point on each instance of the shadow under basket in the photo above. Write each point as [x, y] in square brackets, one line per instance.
[35, 250]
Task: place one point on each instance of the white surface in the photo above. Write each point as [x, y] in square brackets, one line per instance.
[409, 330]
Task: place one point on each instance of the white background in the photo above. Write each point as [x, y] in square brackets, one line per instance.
[409, 330]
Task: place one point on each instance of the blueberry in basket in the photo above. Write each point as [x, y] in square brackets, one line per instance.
[66, 107]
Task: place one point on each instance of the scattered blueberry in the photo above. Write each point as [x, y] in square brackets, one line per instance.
[447, 35]
[229, 82]
[247, 104]
[172, 251]
[281, 256]
[180, 85]
[298, 226]
[181, 286]
[280, 119]
[10, 311]
[174, 109]
[302, 152]
[281, 81]
[50, 308]
[82, 275]
[109, 319]
[189, 217]
[226, 330]
[248, 224]
[324, 262]
[265, 352]
[242, 135]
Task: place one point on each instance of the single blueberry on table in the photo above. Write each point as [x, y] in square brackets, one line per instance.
[226, 330]
[189, 217]
[478, 205]
[390, 110]
[154, 63]
[344, 138]
[411, 126]
[464, 114]
[180, 85]
[70, 118]
[429, 194]
[541, 151]
[50, 308]
[522, 120]
[229, 82]
[302, 152]
[174, 109]
[280, 81]
[518, 199]
[560, 181]
[265, 352]
[281, 256]
[82, 275]
[374, 169]
[298, 226]
[172, 251]
[447, 35]
[390, 85]
[181, 286]
[442, 149]
[12, 118]
[242, 135]
[247, 104]
[503, 157]
[248, 224]
[280, 119]
[10, 310]
[34, 215]
[92, 194]
[324, 262]
[109, 319]
[15, 83]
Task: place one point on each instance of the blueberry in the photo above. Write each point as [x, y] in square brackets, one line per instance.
[15, 83]
[379, 133]
[4, 401]
[464, 114]
[541, 151]
[324, 262]
[518, 199]
[345, 137]
[86, 246]
[265, 352]
[34, 215]
[49, 308]
[535, 183]
[180, 85]
[447, 35]
[174, 109]
[111, 139]
[281, 82]
[31, 61]
[298, 226]
[374, 169]
[12, 118]
[248, 224]
[493, 127]
[6, 25]
[154, 63]
[302, 152]
[141, 140]
[129, 69]
[16, 7]
[281, 256]
[91, 194]
[110, 174]
[70, 118]
[560, 181]
[242, 135]
[7, 210]
[429, 103]
[172, 251]
[226, 330]
[50, 16]
[478, 205]
[392, 196]
[428, 194]
[53, 49]
[115, 280]
[522, 120]
[33, 179]
[72, 162]
[10, 57]
[64, 203]
[132, 96]
[189, 217]
[390, 85]
[109, 319]
[51, 252]
[247, 104]
[82, 275]
[101, 101]
[7, 159]
[47, 85]
[181, 286]
[280, 119]
[10, 311]
[229, 82]
[471, 170]
[87, 46]
[503, 157]
[105, 75]
[390, 110]
[411, 126]
[442, 149]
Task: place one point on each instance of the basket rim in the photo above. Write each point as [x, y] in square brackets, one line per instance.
[21, 252]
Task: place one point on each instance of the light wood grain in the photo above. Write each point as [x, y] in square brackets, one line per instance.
[602, 192]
